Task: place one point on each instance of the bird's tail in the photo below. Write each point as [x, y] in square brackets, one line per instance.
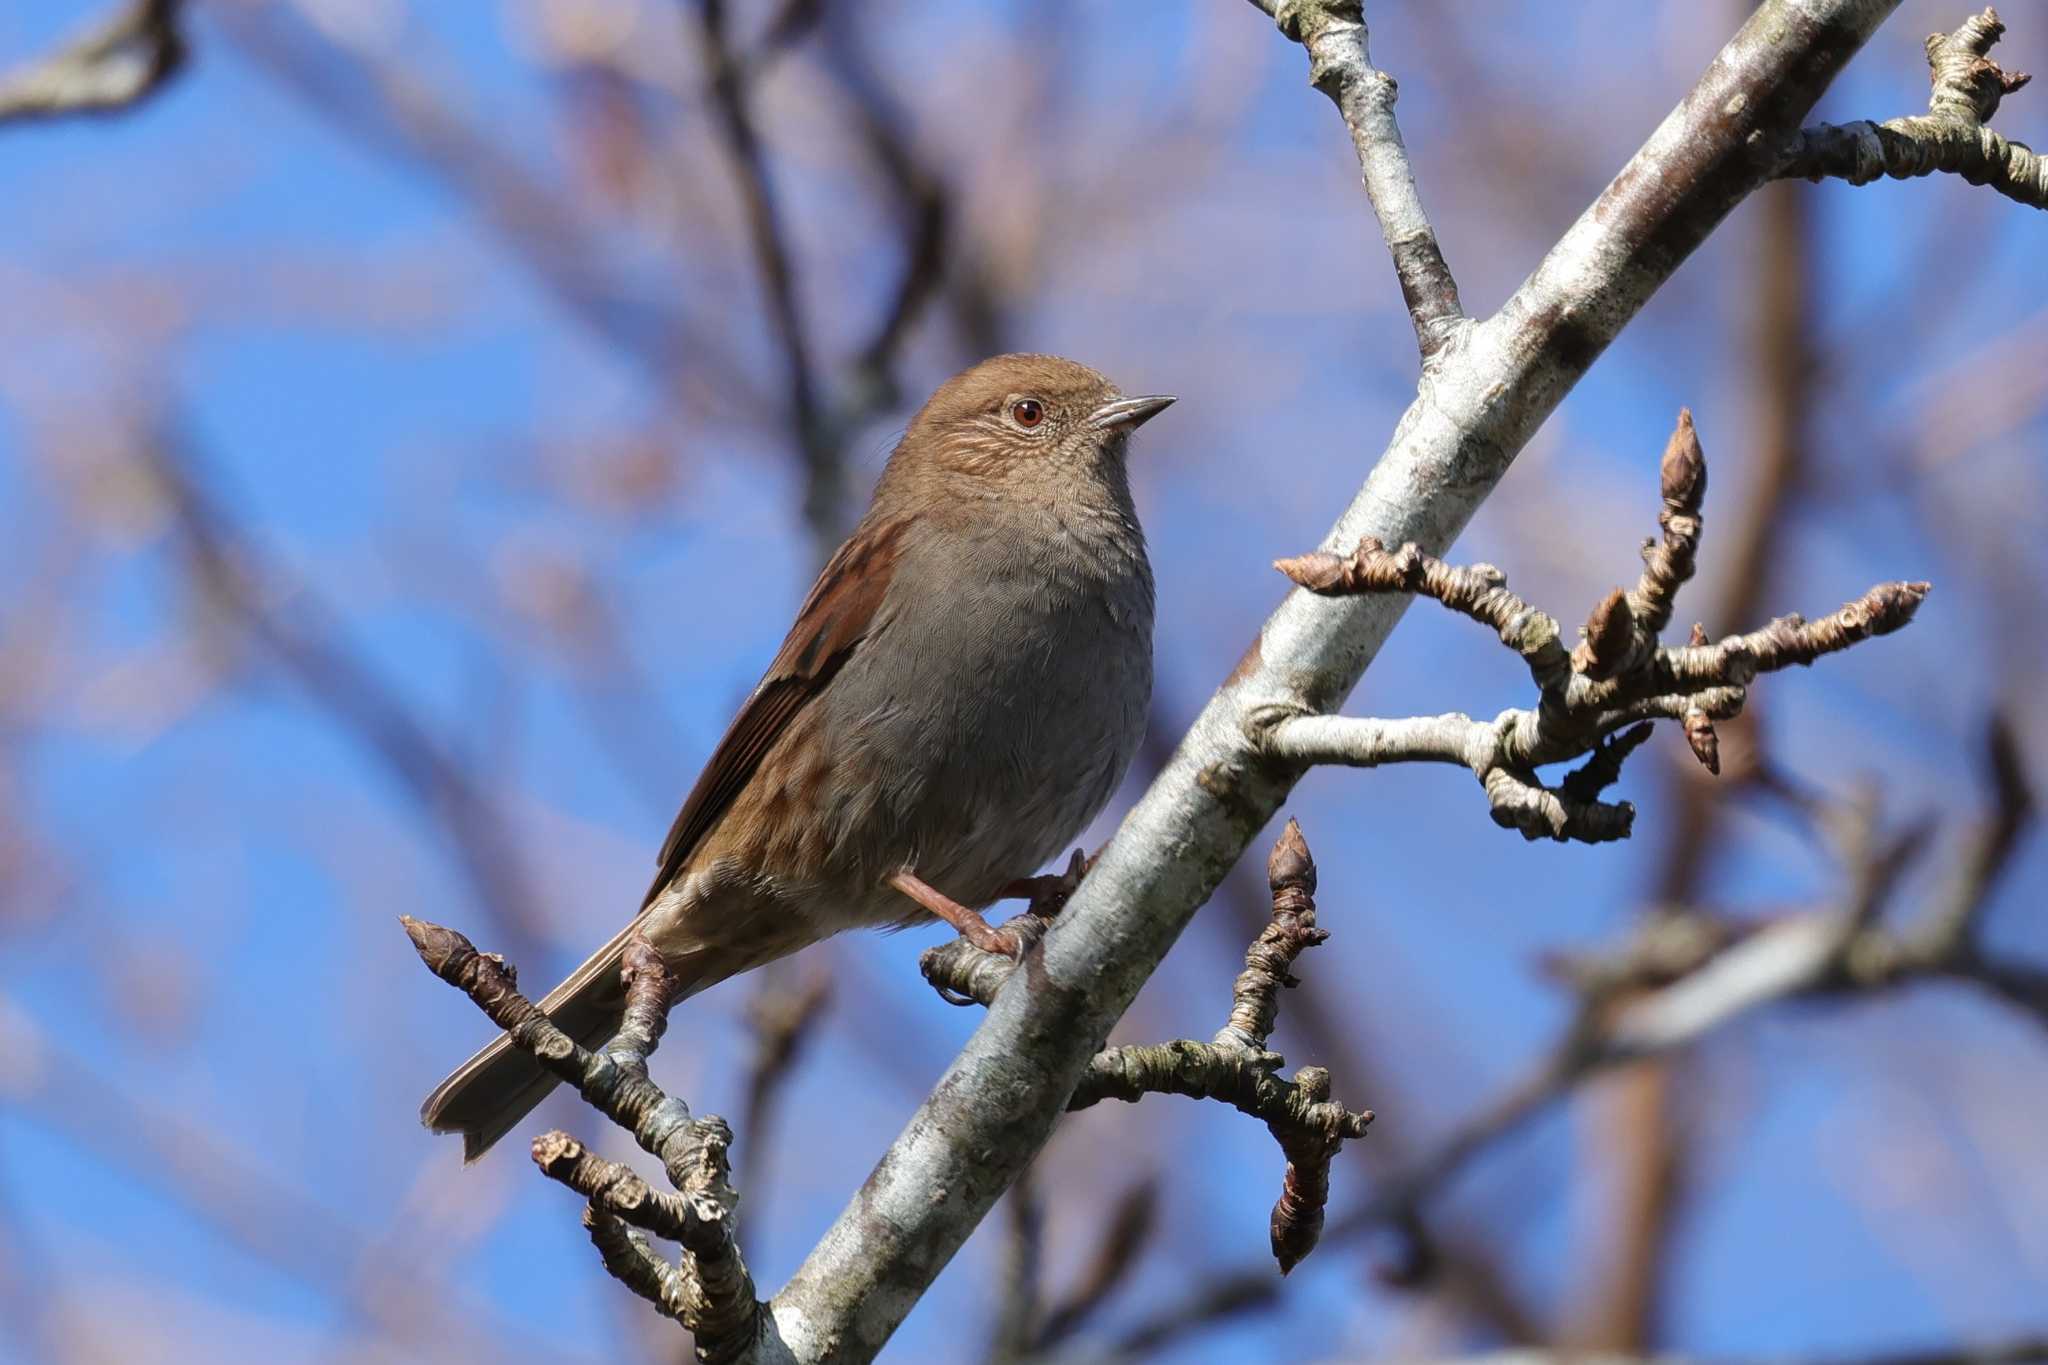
[484, 1097]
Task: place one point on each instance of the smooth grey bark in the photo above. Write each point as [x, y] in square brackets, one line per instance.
[1483, 394]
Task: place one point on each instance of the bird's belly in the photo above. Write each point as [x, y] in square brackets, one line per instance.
[1017, 750]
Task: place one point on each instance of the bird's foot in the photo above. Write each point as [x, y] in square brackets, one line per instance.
[1049, 893]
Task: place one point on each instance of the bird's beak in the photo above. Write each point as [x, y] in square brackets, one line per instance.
[1127, 413]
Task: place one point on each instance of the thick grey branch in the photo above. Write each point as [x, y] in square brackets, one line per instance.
[1477, 406]
[1234, 1066]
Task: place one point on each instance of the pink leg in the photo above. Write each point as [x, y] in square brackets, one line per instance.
[971, 925]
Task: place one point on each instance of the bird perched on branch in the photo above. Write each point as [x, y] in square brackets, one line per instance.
[962, 691]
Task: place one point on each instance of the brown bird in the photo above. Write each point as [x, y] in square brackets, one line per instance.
[962, 691]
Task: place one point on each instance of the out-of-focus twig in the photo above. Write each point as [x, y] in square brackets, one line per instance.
[228, 1188]
[1125, 1232]
[296, 632]
[1018, 1283]
[393, 111]
[823, 411]
[775, 263]
[1207, 1303]
[1686, 974]
[780, 1016]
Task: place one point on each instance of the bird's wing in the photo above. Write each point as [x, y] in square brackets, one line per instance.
[836, 616]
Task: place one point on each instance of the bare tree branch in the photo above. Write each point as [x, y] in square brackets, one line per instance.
[710, 1291]
[1619, 676]
[1951, 136]
[999, 1100]
[1340, 66]
[1234, 1066]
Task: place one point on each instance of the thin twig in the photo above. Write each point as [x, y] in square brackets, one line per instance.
[713, 1294]
[1617, 678]
[1234, 1066]
[1953, 135]
[781, 1017]
[775, 264]
[1340, 65]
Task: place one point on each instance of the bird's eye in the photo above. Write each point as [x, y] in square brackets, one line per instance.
[1027, 412]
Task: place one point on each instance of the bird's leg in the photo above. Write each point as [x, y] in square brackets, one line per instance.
[971, 925]
[1048, 894]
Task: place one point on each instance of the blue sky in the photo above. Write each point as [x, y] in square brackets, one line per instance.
[421, 445]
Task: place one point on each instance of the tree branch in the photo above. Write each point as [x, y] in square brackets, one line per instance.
[709, 1291]
[997, 1103]
[1951, 136]
[1234, 1066]
[1340, 65]
[1618, 676]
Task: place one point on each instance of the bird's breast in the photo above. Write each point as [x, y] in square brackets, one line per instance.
[995, 716]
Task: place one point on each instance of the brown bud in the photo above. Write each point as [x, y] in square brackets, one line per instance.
[1610, 631]
[1297, 1222]
[555, 1152]
[1684, 468]
[1318, 571]
[438, 947]
[1291, 863]
[1699, 635]
[1706, 745]
[1891, 605]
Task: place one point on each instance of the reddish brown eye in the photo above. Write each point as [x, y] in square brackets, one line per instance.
[1027, 412]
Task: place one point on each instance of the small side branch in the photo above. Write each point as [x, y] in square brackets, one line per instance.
[1953, 135]
[709, 1291]
[1340, 65]
[1233, 1067]
[1593, 702]
[118, 64]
